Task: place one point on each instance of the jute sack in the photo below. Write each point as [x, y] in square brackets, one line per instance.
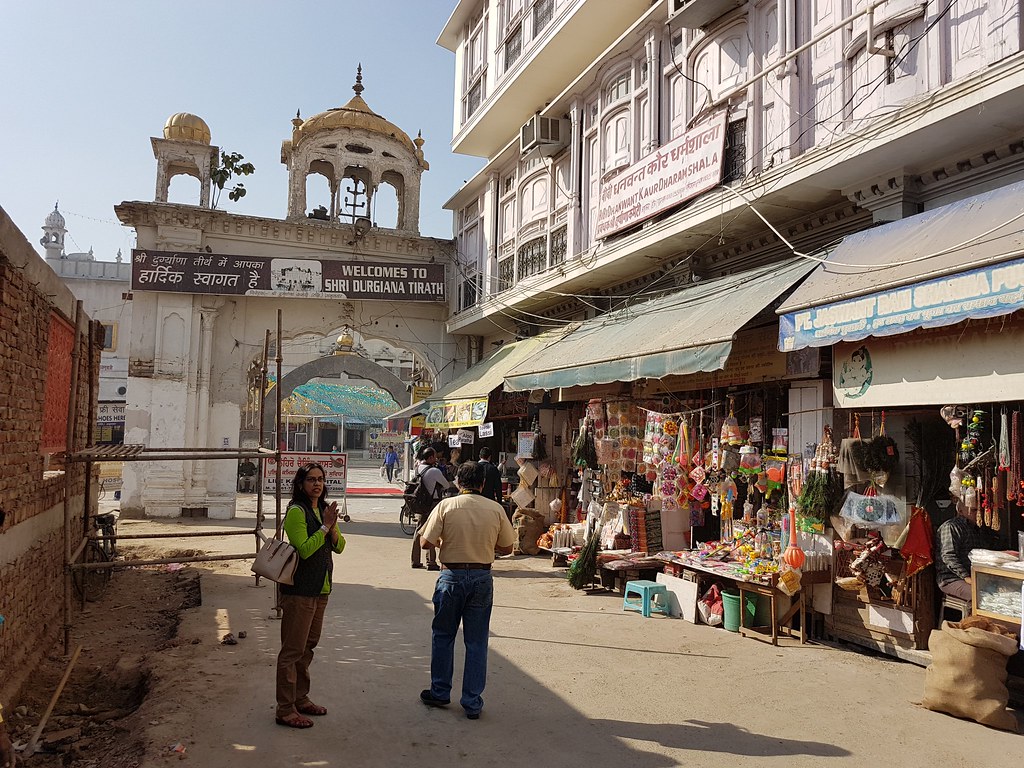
[529, 525]
[967, 676]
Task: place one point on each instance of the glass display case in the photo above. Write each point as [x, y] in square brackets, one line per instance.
[997, 593]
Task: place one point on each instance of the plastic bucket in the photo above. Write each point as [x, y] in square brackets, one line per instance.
[731, 610]
[761, 612]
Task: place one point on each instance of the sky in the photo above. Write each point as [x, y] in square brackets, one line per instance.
[86, 84]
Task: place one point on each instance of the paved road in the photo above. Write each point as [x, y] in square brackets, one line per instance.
[572, 679]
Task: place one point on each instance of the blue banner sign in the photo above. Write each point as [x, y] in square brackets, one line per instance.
[986, 292]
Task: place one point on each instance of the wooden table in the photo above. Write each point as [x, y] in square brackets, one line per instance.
[768, 591]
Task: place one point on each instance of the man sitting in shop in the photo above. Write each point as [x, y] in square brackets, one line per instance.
[956, 538]
[246, 476]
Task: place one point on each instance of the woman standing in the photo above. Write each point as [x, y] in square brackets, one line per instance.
[311, 525]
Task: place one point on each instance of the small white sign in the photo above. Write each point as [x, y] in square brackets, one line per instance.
[466, 436]
[454, 441]
[486, 429]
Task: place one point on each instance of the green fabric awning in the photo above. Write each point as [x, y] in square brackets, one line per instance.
[683, 333]
[457, 403]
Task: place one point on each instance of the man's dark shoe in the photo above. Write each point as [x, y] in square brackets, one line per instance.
[428, 698]
[433, 567]
[417, 565]
[472, 715]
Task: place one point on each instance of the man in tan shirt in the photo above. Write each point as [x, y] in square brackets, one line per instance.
[467, 530]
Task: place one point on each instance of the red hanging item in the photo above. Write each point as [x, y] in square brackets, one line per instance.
[917, 549]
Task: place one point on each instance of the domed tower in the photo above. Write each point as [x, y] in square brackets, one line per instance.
[53, 234]
[184, 149]
[353, 143]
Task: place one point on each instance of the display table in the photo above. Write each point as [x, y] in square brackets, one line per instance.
[772, 593]
[616, 569]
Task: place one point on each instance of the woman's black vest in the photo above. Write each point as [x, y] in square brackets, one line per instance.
[311, 572]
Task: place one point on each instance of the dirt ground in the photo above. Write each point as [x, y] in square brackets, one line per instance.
[97, 719]
[571, 677]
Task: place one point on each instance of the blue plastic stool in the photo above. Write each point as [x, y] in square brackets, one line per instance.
[646, 592]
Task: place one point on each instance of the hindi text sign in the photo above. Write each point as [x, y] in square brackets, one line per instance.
[267, 276]
[672, 174]
[335, 467]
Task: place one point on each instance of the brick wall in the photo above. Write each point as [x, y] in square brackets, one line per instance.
[32, 485]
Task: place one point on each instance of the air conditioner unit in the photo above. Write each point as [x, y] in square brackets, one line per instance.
[548, 134]
[694, 14]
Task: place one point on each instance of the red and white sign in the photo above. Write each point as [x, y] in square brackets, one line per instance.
[335, 467]
[672, 174]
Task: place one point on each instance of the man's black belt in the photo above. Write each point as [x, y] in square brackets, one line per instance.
[467, 566]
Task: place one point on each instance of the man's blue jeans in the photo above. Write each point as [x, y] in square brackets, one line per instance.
[466, 597]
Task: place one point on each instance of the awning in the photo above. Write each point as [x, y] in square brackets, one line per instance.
[687, 332]
[956, 262]
[463, 401]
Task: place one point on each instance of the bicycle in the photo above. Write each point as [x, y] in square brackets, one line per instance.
[102, 493]
[407, 519]
[90, 582]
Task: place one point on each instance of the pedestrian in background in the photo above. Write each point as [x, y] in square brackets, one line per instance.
[467, 529]
[311, 525]
[436, 484]
[492, 476]
[390, 462]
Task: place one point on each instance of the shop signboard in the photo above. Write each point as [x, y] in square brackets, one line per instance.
[989, 291]
[754, 359]
[420, 392]
[977, 363]
[682, 169]
[453, 414]
[223, 275]
[486, 429]
[466, 436]
[335, 467]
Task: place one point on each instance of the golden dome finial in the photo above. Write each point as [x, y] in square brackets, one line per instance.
[184, 126]
[344, 343]
[297, 120]
[419, 140]
[358, 87]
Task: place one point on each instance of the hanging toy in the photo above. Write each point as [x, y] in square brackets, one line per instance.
[794, 557]
[731, 434]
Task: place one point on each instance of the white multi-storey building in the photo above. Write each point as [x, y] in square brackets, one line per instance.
[840, 114]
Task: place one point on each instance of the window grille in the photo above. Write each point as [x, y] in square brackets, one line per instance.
[735, 160]
[532, 258]
[506, 273]
[543, 12]
[559, 243]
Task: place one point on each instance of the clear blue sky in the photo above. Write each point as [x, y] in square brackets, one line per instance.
[86, 84]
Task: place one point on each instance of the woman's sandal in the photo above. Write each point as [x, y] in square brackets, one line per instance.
[295, 721]
[309, 708]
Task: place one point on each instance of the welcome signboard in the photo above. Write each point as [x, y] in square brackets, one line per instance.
[177, 272]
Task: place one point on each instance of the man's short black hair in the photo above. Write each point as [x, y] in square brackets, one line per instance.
[485, 452]
[425, 453]
[471, 475]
